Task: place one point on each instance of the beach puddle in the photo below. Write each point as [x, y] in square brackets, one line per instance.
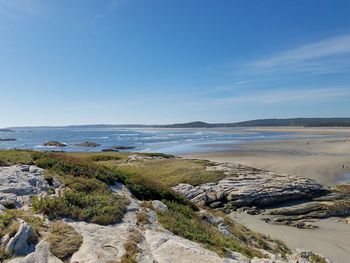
[344, 178]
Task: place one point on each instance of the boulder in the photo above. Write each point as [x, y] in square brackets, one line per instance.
[159, 206]
[8, 200]
[87, 144]
[41, 254]
[54, 144]
[20, 244]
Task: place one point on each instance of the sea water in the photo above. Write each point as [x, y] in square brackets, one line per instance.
[172, 141]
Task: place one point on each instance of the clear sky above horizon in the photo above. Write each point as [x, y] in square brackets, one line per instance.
[166, 61]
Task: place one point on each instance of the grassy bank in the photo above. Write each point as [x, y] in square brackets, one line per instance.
[185, 222]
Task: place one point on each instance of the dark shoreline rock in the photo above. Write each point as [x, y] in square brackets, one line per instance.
[54, 144]
[87, 144]
[117, 148]
[6, 130]
[7, 139]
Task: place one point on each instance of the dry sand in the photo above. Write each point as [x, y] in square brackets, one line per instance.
[331, 239]
[310, 156]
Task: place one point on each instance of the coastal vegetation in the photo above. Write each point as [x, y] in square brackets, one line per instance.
[82, 187]
[186, 222]
[63, 239]
[170, 171]
[16, 157]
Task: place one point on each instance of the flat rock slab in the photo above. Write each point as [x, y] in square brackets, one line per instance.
[165, 247]
[250, 187]
[20, 181]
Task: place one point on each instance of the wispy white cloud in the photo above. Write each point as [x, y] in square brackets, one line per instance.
[15, 8]
[308, 55]
[287, 95]
[113, 6]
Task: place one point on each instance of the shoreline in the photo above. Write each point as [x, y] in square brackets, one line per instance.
[326, 160]
[330, 239]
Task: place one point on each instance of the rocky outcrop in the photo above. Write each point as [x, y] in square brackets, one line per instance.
[87, 144]
[250, 188]
[19, 182]
[296, 214]
[54, 144]
[165, 247]
[20, 244]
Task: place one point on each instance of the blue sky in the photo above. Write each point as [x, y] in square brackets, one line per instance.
[166, 61]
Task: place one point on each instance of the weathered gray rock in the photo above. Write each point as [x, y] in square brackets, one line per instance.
[19, 181]
[8, 200]
[20, 245]
[164, 247]
[250, 187]
[54, 144]
[2, 209]
[41, 254]
[159, 206]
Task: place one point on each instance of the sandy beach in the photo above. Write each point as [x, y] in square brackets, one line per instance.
[330, 239]
[320, 154]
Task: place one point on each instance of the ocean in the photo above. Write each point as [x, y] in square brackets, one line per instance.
[171, 141]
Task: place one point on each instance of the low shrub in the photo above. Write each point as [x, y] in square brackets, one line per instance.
[183, 221]
[103, 158]
[68, 165]
[64, 240]
[144, 188]
[94, 207]
[161, 155]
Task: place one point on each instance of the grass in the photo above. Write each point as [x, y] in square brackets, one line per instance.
[64, 240]
[10, 157]
[344, 188]
[317, 259]
[131, 248]
[142, 218]
[170, 172]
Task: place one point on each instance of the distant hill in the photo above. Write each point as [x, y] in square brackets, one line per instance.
[304, 122]
[301, 122]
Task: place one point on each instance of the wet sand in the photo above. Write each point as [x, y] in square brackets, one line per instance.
[327, 160]
[331, 239]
